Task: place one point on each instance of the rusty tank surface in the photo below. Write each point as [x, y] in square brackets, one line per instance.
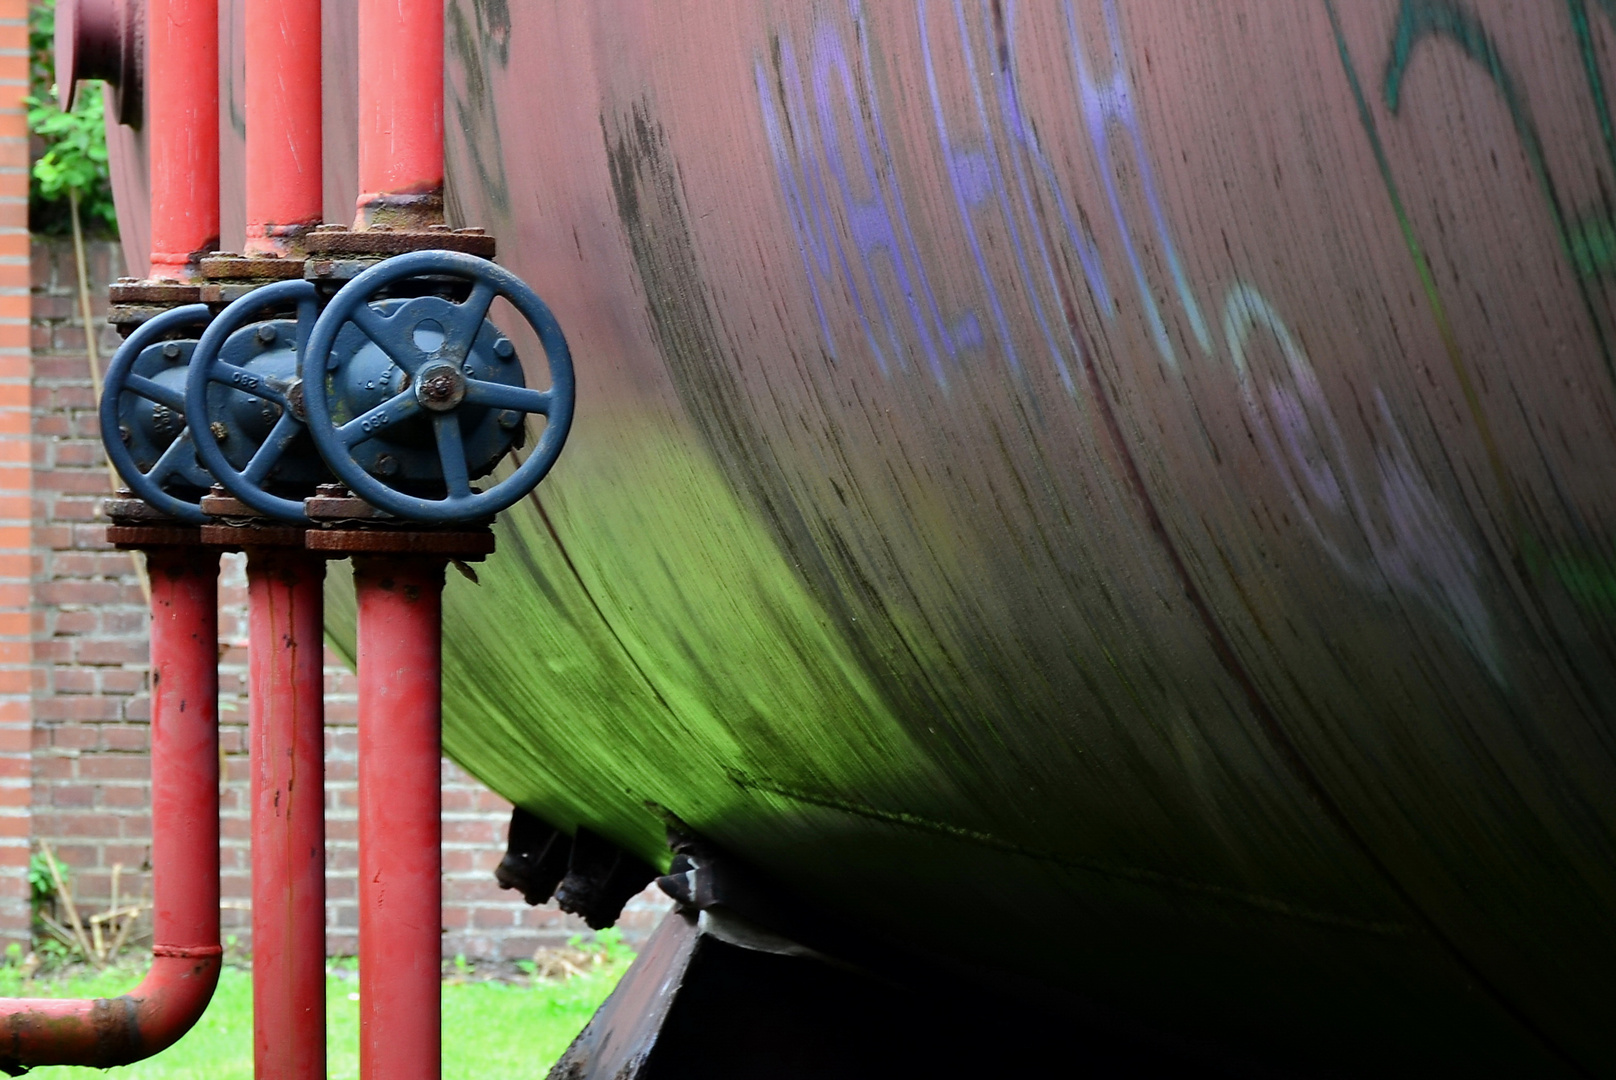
[1116, 495]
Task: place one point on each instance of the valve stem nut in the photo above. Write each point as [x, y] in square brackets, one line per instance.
[440, 387]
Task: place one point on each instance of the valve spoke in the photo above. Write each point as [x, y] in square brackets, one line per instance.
[171, 458]
[500, 396]
[452, 454]
[239, 378]
[469, 318]
[308, 310]
[155, 391]
[265, 457]
[381, 329]
[398, 407]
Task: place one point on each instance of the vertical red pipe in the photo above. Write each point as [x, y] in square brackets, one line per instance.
[286, 729]
[400, 113]
[182, 86]
[104, 1032]
[185, 766]
[284, 170]
[400, 831]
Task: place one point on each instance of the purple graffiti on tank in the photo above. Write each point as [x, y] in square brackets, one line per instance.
[877, 221]
[975, 176]
[1112, 103]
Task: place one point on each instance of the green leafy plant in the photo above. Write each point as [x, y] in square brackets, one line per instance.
[41, 889]
[70, 147]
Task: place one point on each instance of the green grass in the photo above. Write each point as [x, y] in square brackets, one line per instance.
[491, 1030]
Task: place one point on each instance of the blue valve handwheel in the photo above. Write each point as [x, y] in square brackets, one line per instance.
[150, 445]
[256, 452]
[437, 347]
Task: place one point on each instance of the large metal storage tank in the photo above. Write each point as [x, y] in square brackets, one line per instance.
[1119, 494]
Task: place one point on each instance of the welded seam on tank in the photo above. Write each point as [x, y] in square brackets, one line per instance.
[1134, 874]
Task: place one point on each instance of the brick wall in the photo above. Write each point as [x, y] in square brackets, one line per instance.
[15, 475]
[88, 710]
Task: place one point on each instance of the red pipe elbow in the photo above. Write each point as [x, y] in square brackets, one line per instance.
[103, 1032]
[186, 956]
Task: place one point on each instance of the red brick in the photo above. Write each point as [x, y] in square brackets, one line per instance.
[72, 795]
[125, 796]
[54, 767]
[123, 681]
[80, 707]
[115, 767]
[125, 738]
[70, 680]
[114, 651]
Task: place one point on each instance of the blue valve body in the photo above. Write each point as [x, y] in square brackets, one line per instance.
[410, 399]
[148, 428]
[361, 376]
[405, 394]
[143, 416]
[266, 353]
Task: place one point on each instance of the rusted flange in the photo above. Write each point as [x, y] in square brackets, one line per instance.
[125, 509]
[240, 526]
[125, 537]
[464, 546]
[333, 504]
[239, 536]
[227, 276]
[158, 293]
[348, 525]
[380, 241]
[131, 301]
[137, 524]
[230, 266]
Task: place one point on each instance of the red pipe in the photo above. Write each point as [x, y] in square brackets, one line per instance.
[286, 729]
[284, 178]
[182, 86]
[400, 113]
[400, 802]
[185, 847]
